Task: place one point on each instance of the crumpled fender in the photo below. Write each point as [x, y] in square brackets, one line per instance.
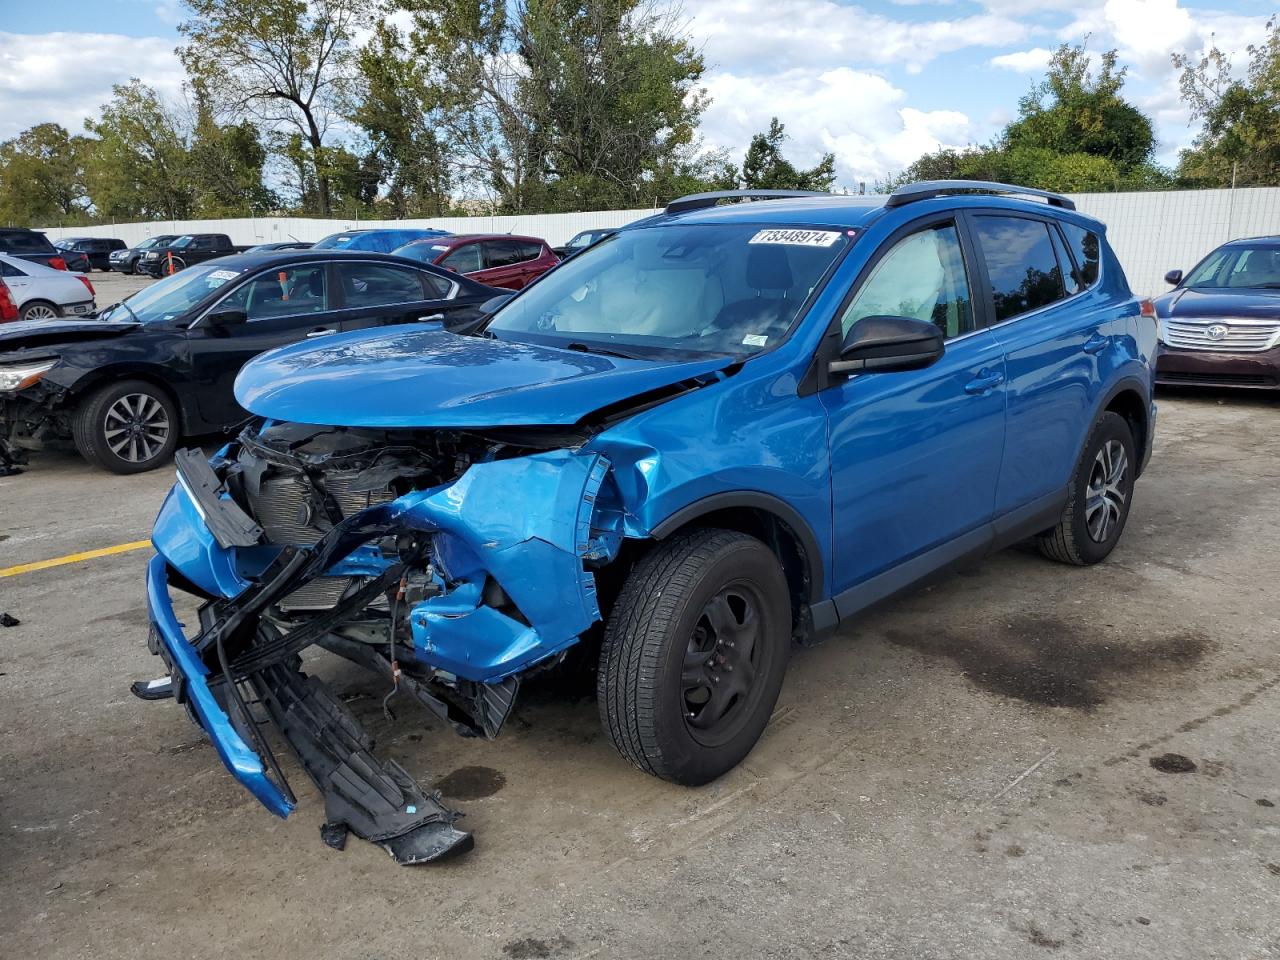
[531, 523]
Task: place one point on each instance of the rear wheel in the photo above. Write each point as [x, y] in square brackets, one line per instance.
[39, 310]
[1100, 496]
[694, 655]
[126, 427]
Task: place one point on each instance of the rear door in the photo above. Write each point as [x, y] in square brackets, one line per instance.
[283, 305]
[373, 293]
[505, 264]
[1059, 339]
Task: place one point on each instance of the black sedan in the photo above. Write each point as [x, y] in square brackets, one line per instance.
[124, 386]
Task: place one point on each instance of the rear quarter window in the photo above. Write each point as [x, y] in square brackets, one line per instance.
[1086, 248]
[25, 242]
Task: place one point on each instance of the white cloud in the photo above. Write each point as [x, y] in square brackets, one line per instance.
[66, 77]
[1148, 31]
[857, 115]
[742, 34]
[1024, 61]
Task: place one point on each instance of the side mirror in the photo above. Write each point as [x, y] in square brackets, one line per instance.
[883, 344]
[1173, 277]
[494, 303]
[228, 318]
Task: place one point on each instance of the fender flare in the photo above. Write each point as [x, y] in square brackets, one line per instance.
[754, 499]
[1126, 382]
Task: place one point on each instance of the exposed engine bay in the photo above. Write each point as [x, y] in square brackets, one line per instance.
[452, 563]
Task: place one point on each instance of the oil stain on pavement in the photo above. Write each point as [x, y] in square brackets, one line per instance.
[1049, 662]
[470, 783]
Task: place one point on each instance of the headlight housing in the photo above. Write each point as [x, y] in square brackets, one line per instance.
[22, 375]
[153, 256]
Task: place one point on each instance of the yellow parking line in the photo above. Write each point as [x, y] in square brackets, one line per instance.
[73, 558]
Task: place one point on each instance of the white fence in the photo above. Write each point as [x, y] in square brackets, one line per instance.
[1151, 232]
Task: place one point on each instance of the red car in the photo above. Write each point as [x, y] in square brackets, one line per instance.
[500, 260]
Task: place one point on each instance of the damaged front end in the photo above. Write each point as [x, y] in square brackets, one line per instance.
[453, 563]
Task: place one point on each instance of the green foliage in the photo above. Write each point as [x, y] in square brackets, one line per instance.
[42, 177]
[1239, 140]
[1074, 134]
[765, 168]
[1073, 112]
[283, 63]
[139, 167]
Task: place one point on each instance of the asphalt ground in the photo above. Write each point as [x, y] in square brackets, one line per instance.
[985, 768]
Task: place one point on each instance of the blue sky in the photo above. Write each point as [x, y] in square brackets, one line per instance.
[877, 83]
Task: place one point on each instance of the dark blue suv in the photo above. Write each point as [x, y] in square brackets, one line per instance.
[725, 428]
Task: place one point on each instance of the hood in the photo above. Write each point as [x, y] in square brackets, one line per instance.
[1188, 302]
[424, 377]
[52, 333]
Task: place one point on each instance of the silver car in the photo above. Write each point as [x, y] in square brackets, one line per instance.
[32, 291]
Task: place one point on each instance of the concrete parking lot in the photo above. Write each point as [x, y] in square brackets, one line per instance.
[965, 772]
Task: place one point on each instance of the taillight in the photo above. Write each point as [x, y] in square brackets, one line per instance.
[8, 309]
[57, 263]
[87, 285]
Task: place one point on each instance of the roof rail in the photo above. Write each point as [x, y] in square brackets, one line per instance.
[698, 201]
[927, 189]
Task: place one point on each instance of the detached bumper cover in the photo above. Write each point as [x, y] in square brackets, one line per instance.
[191, 685]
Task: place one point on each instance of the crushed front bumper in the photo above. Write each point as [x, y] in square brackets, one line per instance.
[528, 524]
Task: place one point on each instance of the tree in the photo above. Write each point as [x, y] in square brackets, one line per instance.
[226, 164]
[397, 107]
[139, 167]
[1074, 133]
[281, 62]
[552, 105]
[42, 176]
[1073, 111]
[1239, 139]
[764, 166]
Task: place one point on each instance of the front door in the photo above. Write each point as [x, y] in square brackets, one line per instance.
[283, 305]
[915, 455]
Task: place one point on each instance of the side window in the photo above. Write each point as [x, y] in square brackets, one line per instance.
[1087, 249]
[529, 250]
[437, 287]
[281, 293]
[1071, 277]
[464, 259]
[922, 277]
[501, 253]
[9, 270]
[1021, 264]
[376, 284]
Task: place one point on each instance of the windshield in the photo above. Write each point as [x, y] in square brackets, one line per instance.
[335, 241]
[182, 242]
[173, 296]
[421, 250]
[1238, 266]
[724, 289]
[153, 241]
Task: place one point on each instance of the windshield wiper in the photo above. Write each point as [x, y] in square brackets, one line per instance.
[604, 351]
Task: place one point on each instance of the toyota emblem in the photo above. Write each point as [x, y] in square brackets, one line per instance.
[1218, 331]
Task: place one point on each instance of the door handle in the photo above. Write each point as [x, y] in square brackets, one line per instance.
[430, 317]
[321, 332]
[984, 382]
[1096, 343]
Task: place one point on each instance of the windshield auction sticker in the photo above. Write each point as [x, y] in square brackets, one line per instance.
[797, 238]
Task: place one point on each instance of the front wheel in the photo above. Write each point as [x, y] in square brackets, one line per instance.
[694, 654]
[1100, 496]
[126, 427]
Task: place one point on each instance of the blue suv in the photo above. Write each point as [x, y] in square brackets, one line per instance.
[726, 428]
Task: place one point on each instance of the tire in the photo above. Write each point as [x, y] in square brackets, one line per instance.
[126, 427]
[658, 700]
[1093, 521]
[39, 310]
